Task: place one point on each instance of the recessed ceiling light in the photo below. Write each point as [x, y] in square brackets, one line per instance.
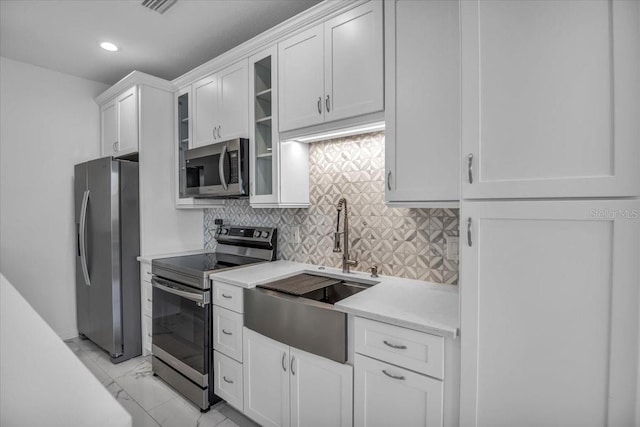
[109, 46]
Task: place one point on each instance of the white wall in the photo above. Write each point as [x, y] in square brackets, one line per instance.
[49, 122]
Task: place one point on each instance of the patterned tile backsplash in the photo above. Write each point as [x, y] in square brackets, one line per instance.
[402, 242]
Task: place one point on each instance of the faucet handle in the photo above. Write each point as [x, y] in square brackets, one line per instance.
[374, 271]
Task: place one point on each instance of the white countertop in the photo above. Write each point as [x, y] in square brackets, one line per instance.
[149, 258]
[43, 382]
[415, 304]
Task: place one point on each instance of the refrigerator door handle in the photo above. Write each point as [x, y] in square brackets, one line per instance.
[83, 234]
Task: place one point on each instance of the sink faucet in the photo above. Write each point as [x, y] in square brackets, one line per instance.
[346, 262]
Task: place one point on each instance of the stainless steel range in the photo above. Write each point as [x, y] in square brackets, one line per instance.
[182, 313]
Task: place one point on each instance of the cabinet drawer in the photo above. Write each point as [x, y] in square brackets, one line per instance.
[147, 326]
[227, 332]
[378, 386]
[227, 380]
[228, 296]
[145, 272]
[147, 298]
[418, 351]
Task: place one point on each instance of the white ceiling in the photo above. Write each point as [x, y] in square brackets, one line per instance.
[64, 35]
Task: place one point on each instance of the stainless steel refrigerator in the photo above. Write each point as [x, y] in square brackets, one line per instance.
[108, 242]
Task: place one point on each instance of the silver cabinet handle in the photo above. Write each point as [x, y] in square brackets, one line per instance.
[327, 103]
[470, 167]
[284, 366]
[226, 296]
[224, 331]
[226, 380]
[83, 238]
[399, 347]
[115, 146]
[319, 105]
[219, 127]
[389, 180]
[395, 377]
[469, 242]
[293, 359]
[214, 132]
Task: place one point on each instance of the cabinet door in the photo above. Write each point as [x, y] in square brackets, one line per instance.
[416, 399]
[301, 79]
[263, 136]
[109, 123]
[233, 102]
[423, 101]
[549, 294]
[205, 98]
[551, 99]
[321, 391]
[353, 62]
[227, 332]
[128, 122]
[228, 380]
[266, 380]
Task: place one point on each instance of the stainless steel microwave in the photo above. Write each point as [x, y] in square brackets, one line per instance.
[218, 170]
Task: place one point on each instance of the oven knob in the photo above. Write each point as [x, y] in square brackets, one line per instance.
[225, 231]
[265, 234]
[257, 233]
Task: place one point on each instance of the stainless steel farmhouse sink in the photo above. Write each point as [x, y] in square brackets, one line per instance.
[299, 311]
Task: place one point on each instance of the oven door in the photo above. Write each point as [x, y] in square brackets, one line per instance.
[181, 328]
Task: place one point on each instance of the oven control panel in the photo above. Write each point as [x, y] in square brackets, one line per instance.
[258, 234]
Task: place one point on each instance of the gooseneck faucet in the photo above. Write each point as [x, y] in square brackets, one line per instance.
[346, 262]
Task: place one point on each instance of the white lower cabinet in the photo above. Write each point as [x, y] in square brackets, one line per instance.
[402, 377]
[549, 304]
[386, 395]
[228, 380]
[146, 306]
[321, 391]
[284, 386]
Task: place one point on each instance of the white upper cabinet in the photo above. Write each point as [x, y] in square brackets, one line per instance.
[551, 99]
[422, 115]
[549, 305]
[279, 170]
[301, 79]
[205, 96]
[220, 106]
[120, 124]
[333, 70]
[353, 63]
[233, 102]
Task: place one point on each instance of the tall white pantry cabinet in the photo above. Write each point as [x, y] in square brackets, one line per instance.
[550, 272]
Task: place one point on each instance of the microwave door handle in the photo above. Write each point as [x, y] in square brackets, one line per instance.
[223, 156]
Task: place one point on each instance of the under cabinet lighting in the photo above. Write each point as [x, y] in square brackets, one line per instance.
[109, 46]
[371, 127]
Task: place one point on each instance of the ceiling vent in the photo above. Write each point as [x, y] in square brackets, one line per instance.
[160, 6]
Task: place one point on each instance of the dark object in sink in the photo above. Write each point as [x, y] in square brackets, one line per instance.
[333, 293]
[300, 284]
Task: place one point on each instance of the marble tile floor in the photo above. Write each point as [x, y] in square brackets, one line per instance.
[150, 401]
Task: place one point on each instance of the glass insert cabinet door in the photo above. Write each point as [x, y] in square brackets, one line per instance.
[183, 141]
[263, 126]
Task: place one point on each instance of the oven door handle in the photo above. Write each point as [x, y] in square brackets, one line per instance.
[201, 298]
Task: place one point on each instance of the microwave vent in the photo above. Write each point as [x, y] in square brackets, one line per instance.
[160, 6]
